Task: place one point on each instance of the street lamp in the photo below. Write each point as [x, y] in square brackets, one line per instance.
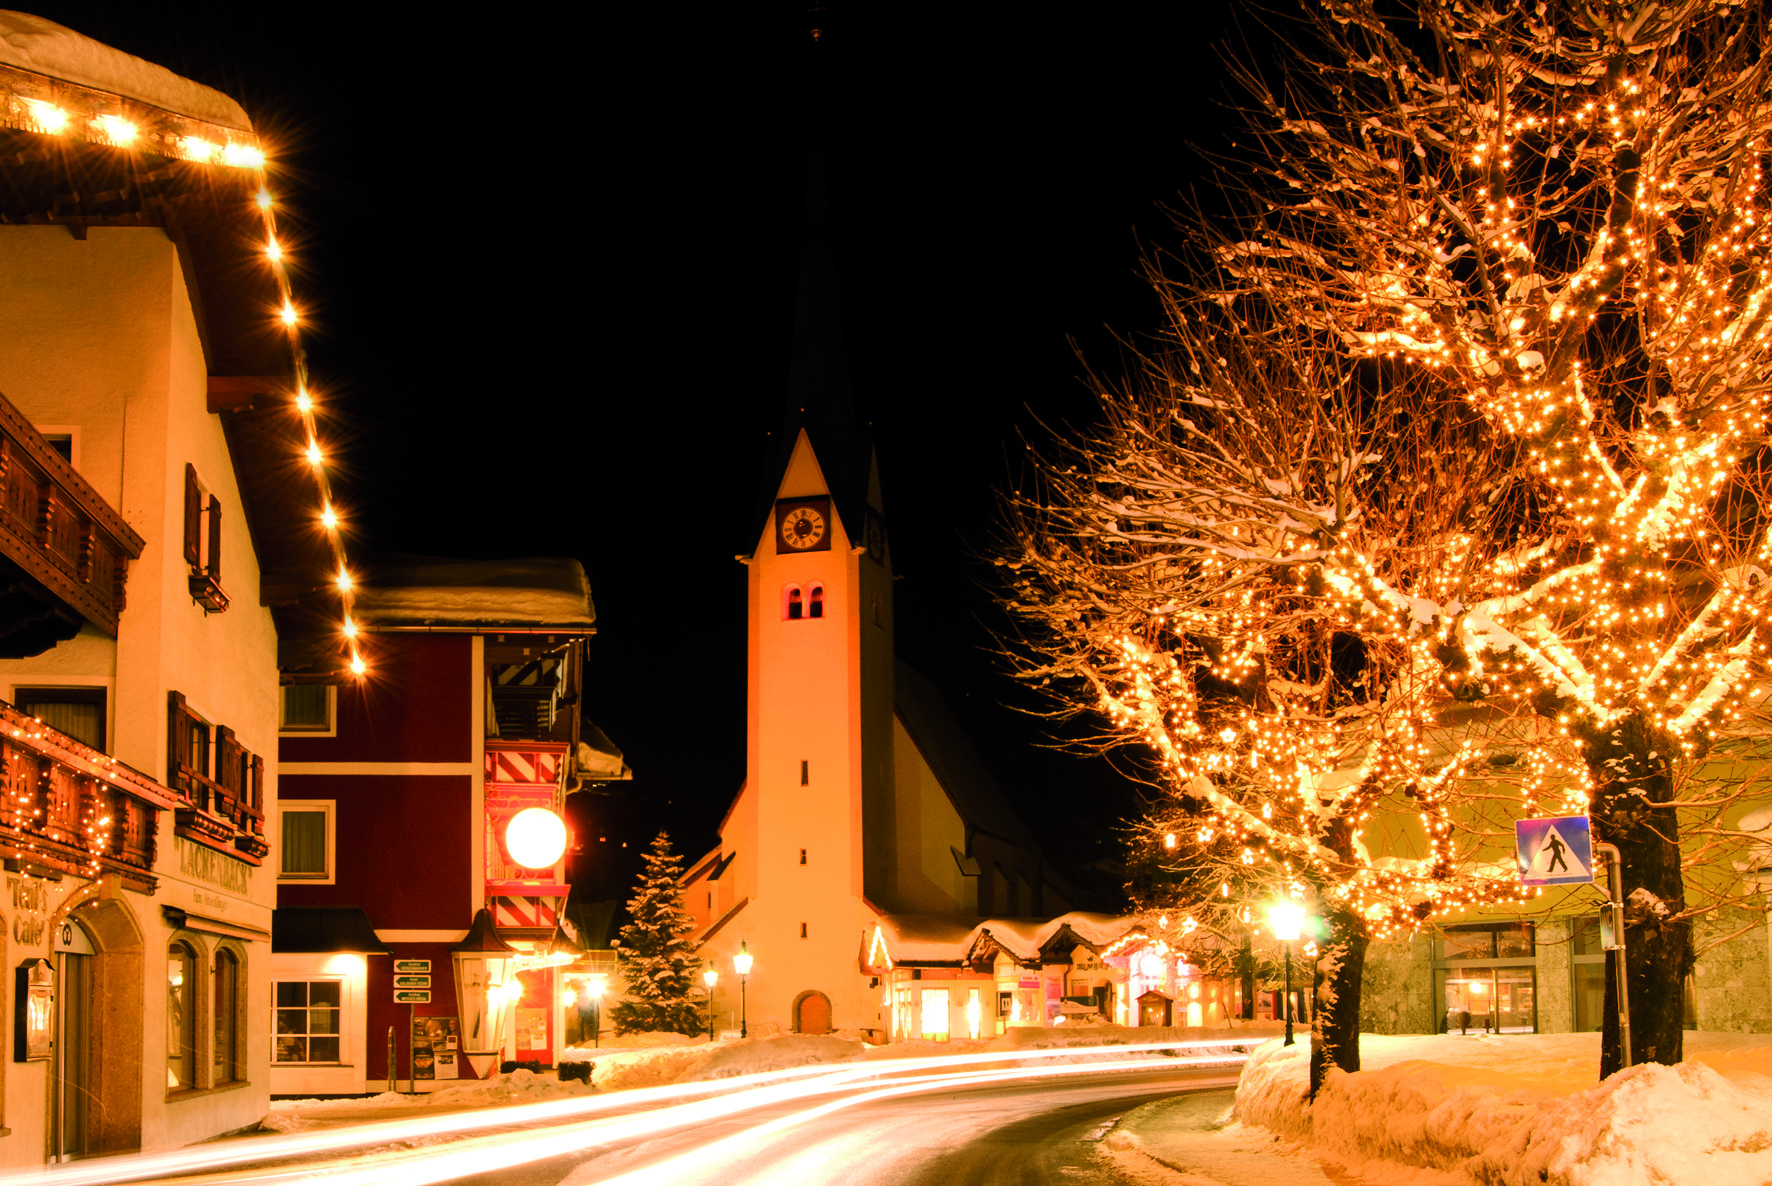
[1287, 919]
[710, 978]
[742, 963]
[484, 979]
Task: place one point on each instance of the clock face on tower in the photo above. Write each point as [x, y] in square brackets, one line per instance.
[803, 525]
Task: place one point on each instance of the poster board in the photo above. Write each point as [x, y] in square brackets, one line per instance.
[436, 1047]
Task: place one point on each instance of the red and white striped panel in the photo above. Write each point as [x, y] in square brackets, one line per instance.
[522, 766]
[523, 913]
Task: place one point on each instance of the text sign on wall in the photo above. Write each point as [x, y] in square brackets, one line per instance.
[1555, 851]
[421, 967]
[412, 981]
[412, 996]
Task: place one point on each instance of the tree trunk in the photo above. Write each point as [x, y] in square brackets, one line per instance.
[1335, 1022]
[1629, 765]
[1246, 972]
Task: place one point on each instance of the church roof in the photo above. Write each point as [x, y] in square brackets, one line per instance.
[820, 399]
[975, 794]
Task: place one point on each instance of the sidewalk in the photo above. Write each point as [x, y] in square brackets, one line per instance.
[1189, 1141]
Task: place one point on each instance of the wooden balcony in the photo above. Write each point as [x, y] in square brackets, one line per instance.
[68, 808]
[62, 536]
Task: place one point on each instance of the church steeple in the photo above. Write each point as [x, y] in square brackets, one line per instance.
[820, 399]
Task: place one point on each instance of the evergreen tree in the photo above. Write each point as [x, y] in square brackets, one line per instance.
[657, 957]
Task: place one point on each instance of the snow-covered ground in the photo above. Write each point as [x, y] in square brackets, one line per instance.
[1522, 1109]
[656, 1060]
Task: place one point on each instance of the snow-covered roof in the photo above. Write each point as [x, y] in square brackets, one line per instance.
[925, 938]
[426, 591]
[44, 47]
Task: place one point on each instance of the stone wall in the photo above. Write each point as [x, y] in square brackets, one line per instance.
[1734, 979]
[1396, 995]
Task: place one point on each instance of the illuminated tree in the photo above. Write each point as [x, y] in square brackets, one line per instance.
[657, 957]
[1193, 575]
[1553, 218]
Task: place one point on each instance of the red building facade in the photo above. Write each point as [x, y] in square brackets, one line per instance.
[399, 796]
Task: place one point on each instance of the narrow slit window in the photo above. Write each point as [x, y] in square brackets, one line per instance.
[805, 772]
[802, 856]
[802, 930]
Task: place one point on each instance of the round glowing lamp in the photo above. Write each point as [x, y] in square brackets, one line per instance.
[742, 961]
[1287, 920]
[568, 998]
[535, 838]
[711, 977]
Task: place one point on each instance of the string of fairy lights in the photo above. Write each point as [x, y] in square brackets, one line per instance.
[1590, 618]
[47, 106]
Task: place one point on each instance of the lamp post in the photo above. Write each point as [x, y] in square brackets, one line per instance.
[1287, 919]
[742, 963]
[710, 978]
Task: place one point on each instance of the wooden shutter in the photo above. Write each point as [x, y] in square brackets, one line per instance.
[193, 518]
[214, 569]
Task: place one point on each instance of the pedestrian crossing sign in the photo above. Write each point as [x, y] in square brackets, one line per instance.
[1554, 851]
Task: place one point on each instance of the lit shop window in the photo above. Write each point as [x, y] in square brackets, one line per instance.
[974, 1016]
[935, 1014]
[78, 712]
[307, 1021]
[229, 1066]
[181, 1017]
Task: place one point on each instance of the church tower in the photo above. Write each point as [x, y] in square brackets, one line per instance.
[820, 676]
[863, 801]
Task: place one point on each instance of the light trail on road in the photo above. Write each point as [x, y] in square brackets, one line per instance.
[643, 1112]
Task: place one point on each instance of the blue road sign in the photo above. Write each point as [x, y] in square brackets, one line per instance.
[1554, 851]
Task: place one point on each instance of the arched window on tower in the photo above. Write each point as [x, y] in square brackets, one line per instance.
[792, 608]
[816, 597]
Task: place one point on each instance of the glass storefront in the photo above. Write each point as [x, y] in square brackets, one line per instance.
[1486, 979]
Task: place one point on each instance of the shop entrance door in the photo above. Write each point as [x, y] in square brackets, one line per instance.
[71, 1086]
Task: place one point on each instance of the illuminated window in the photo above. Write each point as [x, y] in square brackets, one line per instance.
[974, 1016]
[229, 1066]
[935, 1014]
[181, 1016]
[307, 1021]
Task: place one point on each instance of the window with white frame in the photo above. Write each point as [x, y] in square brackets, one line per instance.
[309, 840]
[306, 1028]
[309, 710]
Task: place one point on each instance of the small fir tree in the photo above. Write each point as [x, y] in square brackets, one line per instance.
[657, 957]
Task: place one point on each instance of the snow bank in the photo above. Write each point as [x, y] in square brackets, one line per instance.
[44, 47]
[772, 1054]
[1523, 1109]
[518, 1087]
[1059, 1037]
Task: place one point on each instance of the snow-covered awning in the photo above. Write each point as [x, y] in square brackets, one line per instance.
[428, 592]
[44, 47]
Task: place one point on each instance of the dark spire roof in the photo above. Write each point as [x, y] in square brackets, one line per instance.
[820, 399]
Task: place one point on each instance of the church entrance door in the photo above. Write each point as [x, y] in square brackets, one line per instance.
[815, 1014]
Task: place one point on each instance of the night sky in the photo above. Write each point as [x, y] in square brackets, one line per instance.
[551, 265]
